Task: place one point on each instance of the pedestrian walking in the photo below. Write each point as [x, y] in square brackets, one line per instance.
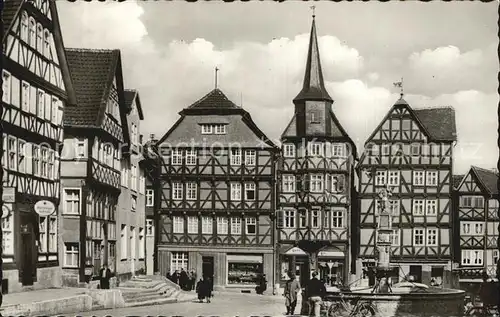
[193, 280]
[209, 287]
[261, 285]
[315, 290]
[292, 288]
[104, 276]
[183, 280]
[200, 290]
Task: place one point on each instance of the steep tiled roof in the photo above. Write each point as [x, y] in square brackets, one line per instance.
[130, 96]
[456, 180]
[92, 72]
[214, 99]
[439, 122]
[9, 13]
[488, 179]
[314, 86]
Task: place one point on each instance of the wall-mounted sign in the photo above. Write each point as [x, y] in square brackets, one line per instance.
[9, 195]
[45, 208]
[5, 211]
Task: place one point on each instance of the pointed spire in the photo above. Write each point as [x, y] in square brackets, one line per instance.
[314, 86]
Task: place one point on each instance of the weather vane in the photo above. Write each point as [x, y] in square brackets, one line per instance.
[313, 8]
[216, 70]
[400, 85]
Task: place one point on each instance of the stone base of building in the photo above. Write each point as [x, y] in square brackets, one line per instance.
[47, 277]
[230, 268]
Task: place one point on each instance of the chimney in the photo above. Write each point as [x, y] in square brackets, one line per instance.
[152, 136]
[140, 138]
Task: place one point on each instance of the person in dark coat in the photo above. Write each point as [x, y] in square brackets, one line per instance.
[183, 280]
[261, 285]
[104, 276]
[192, 277]
[292, 288]
[200, 290]
[315, 291]
[169, 276]
[209, 287]
[175, 277]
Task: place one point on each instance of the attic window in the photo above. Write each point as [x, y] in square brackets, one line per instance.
[315, 116]
[213, 129]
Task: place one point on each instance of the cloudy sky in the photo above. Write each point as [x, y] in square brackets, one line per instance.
[446, 52]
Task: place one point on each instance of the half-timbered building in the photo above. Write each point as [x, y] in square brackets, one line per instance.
[315, 176]
[35, 88]
[151, 171]
[476, 227]
[131, 221]
[410, 152]
[95, 144]
[217, 197]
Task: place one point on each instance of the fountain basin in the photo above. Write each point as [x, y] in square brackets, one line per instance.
[404, 302]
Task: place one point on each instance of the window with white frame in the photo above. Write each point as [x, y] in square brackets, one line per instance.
[393, 178]
[24, 27]
[71, 254]
[176, 157]
[25, 96]
[44, 168]
[39, 38]
[206, 129]
[380, 178]
[338, 150]
[206, 225]
[72, 201]
[178, 224]
[289, 150]
[149, 228]
[479, 228]
[302, 218]
[55, 110]
[418, 237]
[337, 218]
[250, 191]
[235, 191]
[12, 150]
[149, 198]
[142, 251]
[42, 227]
[124, 242]
[220, 129]
[32, 32]
[8, 235]
[472, 257]
[431, 178]
[315, 216]
[431, 207]
[418, 207]
[393, 206]
[192, 224]
[191, 191]
[418, 178]
[177, 191]
[235, 225]
[415, 149]
[251, 225]
[432, 237]
[235, 156]
[316, 183]
[6, 85]
[289, 218]
[477, 257]
[36, 159]
[494, 256]
[337, 183]
[179, 261]
[250, 157]
[80, 148]
[222, 225]
[133, 177]
[465, 228]
[46, 43]
[315, 149]
[396, 237]
[52, 234]
[133, 203]
[191, 157]
[288, 183]
[41, 104]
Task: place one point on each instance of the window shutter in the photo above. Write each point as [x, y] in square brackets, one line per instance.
[279, 218]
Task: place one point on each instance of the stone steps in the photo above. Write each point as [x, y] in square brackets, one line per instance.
[146, 290]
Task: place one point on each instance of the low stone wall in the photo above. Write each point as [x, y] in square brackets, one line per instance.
[108, 298]
[79, 303]
[438, 302]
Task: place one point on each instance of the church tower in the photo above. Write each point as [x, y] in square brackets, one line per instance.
[315, 176]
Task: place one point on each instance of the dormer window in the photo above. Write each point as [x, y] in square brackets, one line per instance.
[315, 116]
[206, 129]
[220, 129]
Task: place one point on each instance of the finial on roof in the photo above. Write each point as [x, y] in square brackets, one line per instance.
[216, 70]
[400, 85]
[313, 8]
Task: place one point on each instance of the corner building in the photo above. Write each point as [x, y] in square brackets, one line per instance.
[411, 152]
[36, 86]
[315, 178]
[216, 200]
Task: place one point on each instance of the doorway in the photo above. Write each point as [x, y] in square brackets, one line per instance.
[29, 253]
[416, 273]
[207, 268]
[302, 272]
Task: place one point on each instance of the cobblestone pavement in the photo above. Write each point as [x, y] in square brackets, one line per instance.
[223, 304]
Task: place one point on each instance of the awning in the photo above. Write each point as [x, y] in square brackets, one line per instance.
[331, 252]
[244, 258]
[295, 251]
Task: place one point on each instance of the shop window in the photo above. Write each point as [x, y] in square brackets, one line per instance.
[244, 269]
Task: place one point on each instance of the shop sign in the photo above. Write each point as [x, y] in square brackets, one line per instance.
[45, 208]
[5, 211]
[331, 254]
[9, 195]
[295, 251]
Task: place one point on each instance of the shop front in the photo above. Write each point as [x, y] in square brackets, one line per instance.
[295, 260]
[332, 266]
[244, 269]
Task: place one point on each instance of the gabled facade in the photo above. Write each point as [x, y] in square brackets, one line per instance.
[476, 226]
[411, 152]
[130, 223]
[36, 87]
[96, 139]
[216, 196]
[315, 184]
